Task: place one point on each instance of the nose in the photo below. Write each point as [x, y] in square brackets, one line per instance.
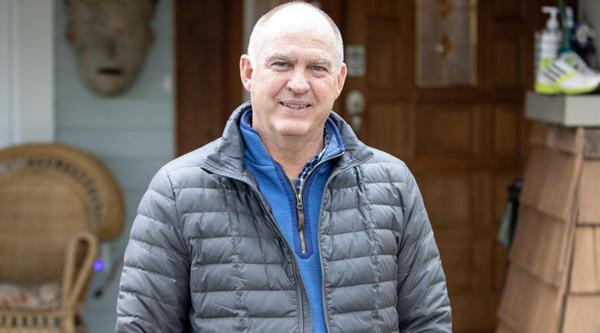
[111, 46]
[298, 83]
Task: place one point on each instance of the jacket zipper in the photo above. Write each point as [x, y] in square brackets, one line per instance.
[300, 205]
[300, 212]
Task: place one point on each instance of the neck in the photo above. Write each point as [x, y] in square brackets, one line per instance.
[292, 152]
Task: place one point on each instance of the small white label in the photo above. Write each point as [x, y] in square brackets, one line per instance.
[355, 60]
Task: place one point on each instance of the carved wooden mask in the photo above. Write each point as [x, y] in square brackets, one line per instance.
[111, 39]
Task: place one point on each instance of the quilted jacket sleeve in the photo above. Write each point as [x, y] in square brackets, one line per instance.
[423, 304]
[154, 288]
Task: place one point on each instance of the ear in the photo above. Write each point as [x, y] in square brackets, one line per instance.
[341, 78]
[246, 72]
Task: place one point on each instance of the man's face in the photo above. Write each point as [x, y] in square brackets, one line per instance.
[110, 39]
[294, 82]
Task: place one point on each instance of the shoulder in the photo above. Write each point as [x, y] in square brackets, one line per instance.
[381, 157]
[186, 170]
[195, 158]
[384, 167]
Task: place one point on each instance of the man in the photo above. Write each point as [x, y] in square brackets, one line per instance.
[287, 223]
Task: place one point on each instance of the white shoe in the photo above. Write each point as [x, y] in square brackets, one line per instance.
[567, 75]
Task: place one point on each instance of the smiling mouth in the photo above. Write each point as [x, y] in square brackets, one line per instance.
[110, 71]
[295, 106]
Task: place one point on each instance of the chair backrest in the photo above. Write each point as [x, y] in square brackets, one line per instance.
[49, 192]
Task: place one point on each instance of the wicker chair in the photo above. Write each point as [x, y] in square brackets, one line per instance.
[56, 204]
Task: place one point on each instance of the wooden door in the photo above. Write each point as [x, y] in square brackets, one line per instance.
[464, 144]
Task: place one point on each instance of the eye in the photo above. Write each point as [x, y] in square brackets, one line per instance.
[318, 68]
[280, 65]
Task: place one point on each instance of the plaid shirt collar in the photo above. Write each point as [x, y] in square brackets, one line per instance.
[312, 163]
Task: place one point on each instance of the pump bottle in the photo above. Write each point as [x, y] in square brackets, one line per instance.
[548, 41]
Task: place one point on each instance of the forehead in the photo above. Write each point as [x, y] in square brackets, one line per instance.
[296, 47]
[308, 39]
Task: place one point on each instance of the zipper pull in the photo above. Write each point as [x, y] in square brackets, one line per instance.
[299, 202]
[300, 209]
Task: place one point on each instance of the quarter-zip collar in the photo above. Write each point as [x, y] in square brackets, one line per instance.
[258, 154]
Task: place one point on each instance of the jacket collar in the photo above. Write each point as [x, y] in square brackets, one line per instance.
[228, 156]
[256, 152]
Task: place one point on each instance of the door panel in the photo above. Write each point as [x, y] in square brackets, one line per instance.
[448, 198]
[448, 130]
[207, 50]
[507, 130]
[510, 57]
[392, 67]
[391, 127]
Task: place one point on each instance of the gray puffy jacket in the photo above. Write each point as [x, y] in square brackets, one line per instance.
[205, 254]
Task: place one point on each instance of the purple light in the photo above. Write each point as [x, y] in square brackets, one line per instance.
[99, 265]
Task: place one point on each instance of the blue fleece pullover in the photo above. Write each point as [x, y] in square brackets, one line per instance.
[281, 196]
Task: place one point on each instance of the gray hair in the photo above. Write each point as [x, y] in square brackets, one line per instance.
[257, 37]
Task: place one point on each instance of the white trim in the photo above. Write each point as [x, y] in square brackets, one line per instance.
[6, 109]
[26, 71]
[15, 68]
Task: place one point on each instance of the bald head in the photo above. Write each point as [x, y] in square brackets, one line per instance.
[293, 17]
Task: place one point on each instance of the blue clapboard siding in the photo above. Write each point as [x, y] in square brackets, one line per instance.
[132, 134]
[121, 143]
[114, 114]
[129, 181]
